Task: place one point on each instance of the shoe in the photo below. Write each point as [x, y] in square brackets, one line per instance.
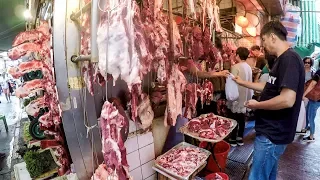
[233, 143]
[308, 139]
[302, 132]
[240, 142]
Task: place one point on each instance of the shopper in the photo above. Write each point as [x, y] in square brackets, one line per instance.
[278, 108]
[6, 90]
[237, 109]
[312, 106]
[308, 63]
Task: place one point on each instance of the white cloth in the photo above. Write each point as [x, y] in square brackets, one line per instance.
[5, 85]
[244, 71]
[264, 77]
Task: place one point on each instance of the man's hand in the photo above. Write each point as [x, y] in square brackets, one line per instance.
[251, 104]
[238, 80]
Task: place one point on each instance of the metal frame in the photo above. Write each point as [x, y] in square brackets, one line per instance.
[66, 39]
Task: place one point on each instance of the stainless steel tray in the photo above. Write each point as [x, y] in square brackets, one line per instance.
[174, 175]
[184, 129]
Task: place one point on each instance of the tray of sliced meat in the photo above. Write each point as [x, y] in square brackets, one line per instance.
[209, 128]
[182, 161]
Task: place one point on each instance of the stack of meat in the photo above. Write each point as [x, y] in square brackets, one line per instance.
[210, 126]
[34, 48]
[113, 149]
[182, 160]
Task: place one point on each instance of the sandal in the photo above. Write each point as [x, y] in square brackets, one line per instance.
[308, 139]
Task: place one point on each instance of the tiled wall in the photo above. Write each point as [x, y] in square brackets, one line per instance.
[140, 154]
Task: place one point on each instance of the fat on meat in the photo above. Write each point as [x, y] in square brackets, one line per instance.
[177, 40]
[36, 35]
[175, 88]
[122, 56]
[145, 112]
[33, 107]
[21, 50]
[113, 149]
[217, 17]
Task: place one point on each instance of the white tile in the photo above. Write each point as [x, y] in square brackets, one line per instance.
[131, 144]
[145, 139]
[147, 169]
[147, 153]
[133, 160]
[153, 177]
[132, 126]
[136, 174]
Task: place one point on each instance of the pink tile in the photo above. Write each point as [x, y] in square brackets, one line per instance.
[133, 160]
[153, 177]
[145, 139]
[147, 153]
[136, 174]
[131, 144]
[147, 170]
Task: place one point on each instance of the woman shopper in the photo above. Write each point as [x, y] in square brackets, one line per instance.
[313, 105]
[237, 108]
[6, 90]
[308, 63]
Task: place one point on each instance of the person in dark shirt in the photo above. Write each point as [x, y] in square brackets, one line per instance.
[279, 105]
[312, 107]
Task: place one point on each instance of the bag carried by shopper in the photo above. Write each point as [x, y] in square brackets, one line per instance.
[314, 94]
[302, 118]
[232, 92]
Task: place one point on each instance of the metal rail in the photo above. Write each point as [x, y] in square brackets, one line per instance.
[79, 58]
[76, 15]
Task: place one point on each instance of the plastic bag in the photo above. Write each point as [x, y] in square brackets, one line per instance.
[232, 92]
[302, 118]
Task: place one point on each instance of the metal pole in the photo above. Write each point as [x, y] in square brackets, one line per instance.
[76, 15]
[171, 40]
[94, 25]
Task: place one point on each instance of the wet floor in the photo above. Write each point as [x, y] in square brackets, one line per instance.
[301, 161]
[10, 110]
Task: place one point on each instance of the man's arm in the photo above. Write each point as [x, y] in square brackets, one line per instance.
[257, 86]
[204, 74]
[286, 99]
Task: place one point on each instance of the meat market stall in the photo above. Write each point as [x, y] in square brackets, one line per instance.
[112, 76]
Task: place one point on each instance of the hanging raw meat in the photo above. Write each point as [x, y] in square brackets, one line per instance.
[175, 88]
[123, 58]
[217, 17]
[85, 49]
[113, 149]
[191, 99]
[145, 112]
[36, 35]
[34, 48]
